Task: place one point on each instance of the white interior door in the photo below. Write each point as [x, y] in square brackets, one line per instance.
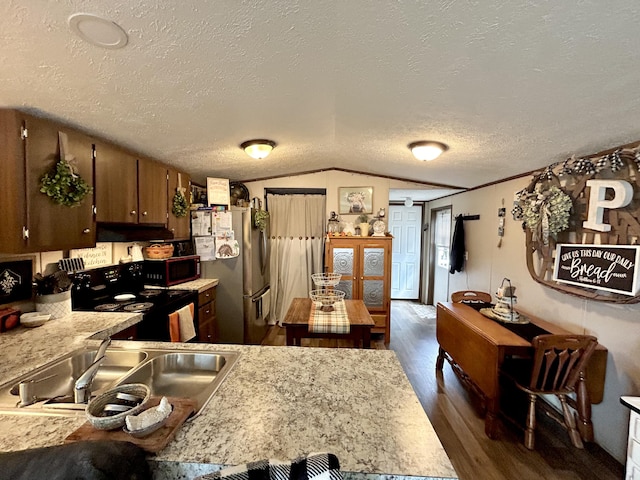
[405, 224]
[441, 246]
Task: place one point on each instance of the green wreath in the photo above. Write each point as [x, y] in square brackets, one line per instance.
[63, 186]
[180, 205]
[260, 220]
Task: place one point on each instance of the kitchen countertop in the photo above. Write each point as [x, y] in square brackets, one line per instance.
[199, 285]
[276, 403]
[631, 402]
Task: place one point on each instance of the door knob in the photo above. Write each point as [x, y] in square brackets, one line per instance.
[132, 212]
[144, 214]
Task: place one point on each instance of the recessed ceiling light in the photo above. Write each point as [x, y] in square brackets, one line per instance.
[98, 31]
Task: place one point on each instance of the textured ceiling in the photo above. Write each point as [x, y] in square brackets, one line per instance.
[509, 85]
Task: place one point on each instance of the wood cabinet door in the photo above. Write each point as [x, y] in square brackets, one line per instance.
[152, 192]
[373, 276]
[13, 194]
[179, 226]
[53, 226]
[342, 257]
[116, 189]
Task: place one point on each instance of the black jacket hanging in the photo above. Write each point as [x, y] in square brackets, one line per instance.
[456, 258]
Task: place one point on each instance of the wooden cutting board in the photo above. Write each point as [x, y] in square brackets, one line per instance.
[153, 443]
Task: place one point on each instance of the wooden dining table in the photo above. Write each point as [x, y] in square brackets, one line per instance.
[476, 346]
[296, 322]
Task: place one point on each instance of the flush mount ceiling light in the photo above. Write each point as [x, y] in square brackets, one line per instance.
[427, 150]
[98, 31]
[258, 149]
[408, 202]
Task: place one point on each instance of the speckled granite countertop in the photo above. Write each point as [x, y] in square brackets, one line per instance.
[277, 402]
[199, 285]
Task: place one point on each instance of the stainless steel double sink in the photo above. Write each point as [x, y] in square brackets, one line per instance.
[195, 374]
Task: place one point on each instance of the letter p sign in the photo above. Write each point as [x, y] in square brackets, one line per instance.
[622, 196]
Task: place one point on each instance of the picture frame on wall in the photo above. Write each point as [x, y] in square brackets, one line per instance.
[355, 200]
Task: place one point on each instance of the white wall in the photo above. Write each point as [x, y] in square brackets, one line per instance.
[332, 180]
[616, 326]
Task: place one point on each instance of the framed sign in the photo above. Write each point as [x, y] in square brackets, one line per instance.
[218, 191]
[355, 200]
[612, 268]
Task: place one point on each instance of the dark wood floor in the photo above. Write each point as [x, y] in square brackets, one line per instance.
[456, 415]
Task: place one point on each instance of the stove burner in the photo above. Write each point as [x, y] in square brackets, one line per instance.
[149, 293]
[107, 307]
[138, 307]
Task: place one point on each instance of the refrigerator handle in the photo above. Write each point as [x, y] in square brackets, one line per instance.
[264, 253]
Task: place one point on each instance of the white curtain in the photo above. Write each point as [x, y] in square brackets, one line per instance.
[297, 244]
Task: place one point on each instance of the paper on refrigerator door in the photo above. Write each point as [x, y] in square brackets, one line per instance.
[226, 247]
[206, 248]
[201, 223]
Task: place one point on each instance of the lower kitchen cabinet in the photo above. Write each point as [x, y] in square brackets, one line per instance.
[207, 315]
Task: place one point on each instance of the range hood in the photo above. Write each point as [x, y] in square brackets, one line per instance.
[116, 232]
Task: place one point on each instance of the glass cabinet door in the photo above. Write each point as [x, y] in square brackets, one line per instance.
[373, 277]
[344, 263]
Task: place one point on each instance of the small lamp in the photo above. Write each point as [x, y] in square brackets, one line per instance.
[258, 149]
[427, 150]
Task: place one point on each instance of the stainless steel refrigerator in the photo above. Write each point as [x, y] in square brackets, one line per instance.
[243, 294]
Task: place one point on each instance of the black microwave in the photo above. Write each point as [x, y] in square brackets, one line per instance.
[171, 271]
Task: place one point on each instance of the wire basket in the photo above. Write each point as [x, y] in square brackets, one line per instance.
[327, 298]
[326, 279]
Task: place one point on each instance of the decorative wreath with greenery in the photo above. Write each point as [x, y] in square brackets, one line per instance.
[180, 205]
[546, 212]
[64, 186]
[260, 220]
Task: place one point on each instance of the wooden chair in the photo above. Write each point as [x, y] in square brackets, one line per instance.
[470, 296]
[559, 362]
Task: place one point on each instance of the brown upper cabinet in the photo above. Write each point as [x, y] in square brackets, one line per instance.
[32, 221]
[152, 192]
[129, 189]
[179, 226]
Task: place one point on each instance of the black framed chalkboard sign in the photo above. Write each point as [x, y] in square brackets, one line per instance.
[15, 280]
[611, 268]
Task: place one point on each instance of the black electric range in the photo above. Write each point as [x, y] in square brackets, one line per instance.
[120, 288]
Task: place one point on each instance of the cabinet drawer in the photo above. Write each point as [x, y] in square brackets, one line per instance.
[207, 296]
[380, 320]
[634, 426]
[634, 451]
[206, 312]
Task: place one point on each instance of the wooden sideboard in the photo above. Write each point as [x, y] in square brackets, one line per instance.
[476, 347]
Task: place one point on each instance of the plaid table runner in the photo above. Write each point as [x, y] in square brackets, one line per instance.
[329, 322]
[315, 466]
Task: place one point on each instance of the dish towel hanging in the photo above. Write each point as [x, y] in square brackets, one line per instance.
[456, 260]
[181, 328]
[315, 466]
[335, 321]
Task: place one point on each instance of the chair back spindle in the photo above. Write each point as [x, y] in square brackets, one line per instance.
[558, 361]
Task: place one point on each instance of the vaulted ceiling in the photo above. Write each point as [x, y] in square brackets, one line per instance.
[509, 85]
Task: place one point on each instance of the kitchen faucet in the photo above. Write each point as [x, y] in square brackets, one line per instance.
[82, 388]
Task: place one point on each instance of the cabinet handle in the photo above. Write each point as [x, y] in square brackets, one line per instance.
[207, 294]
[361, 278]
[173, 230]
[86, 230]
[132, 212]
[144, 214]
[207, 312]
